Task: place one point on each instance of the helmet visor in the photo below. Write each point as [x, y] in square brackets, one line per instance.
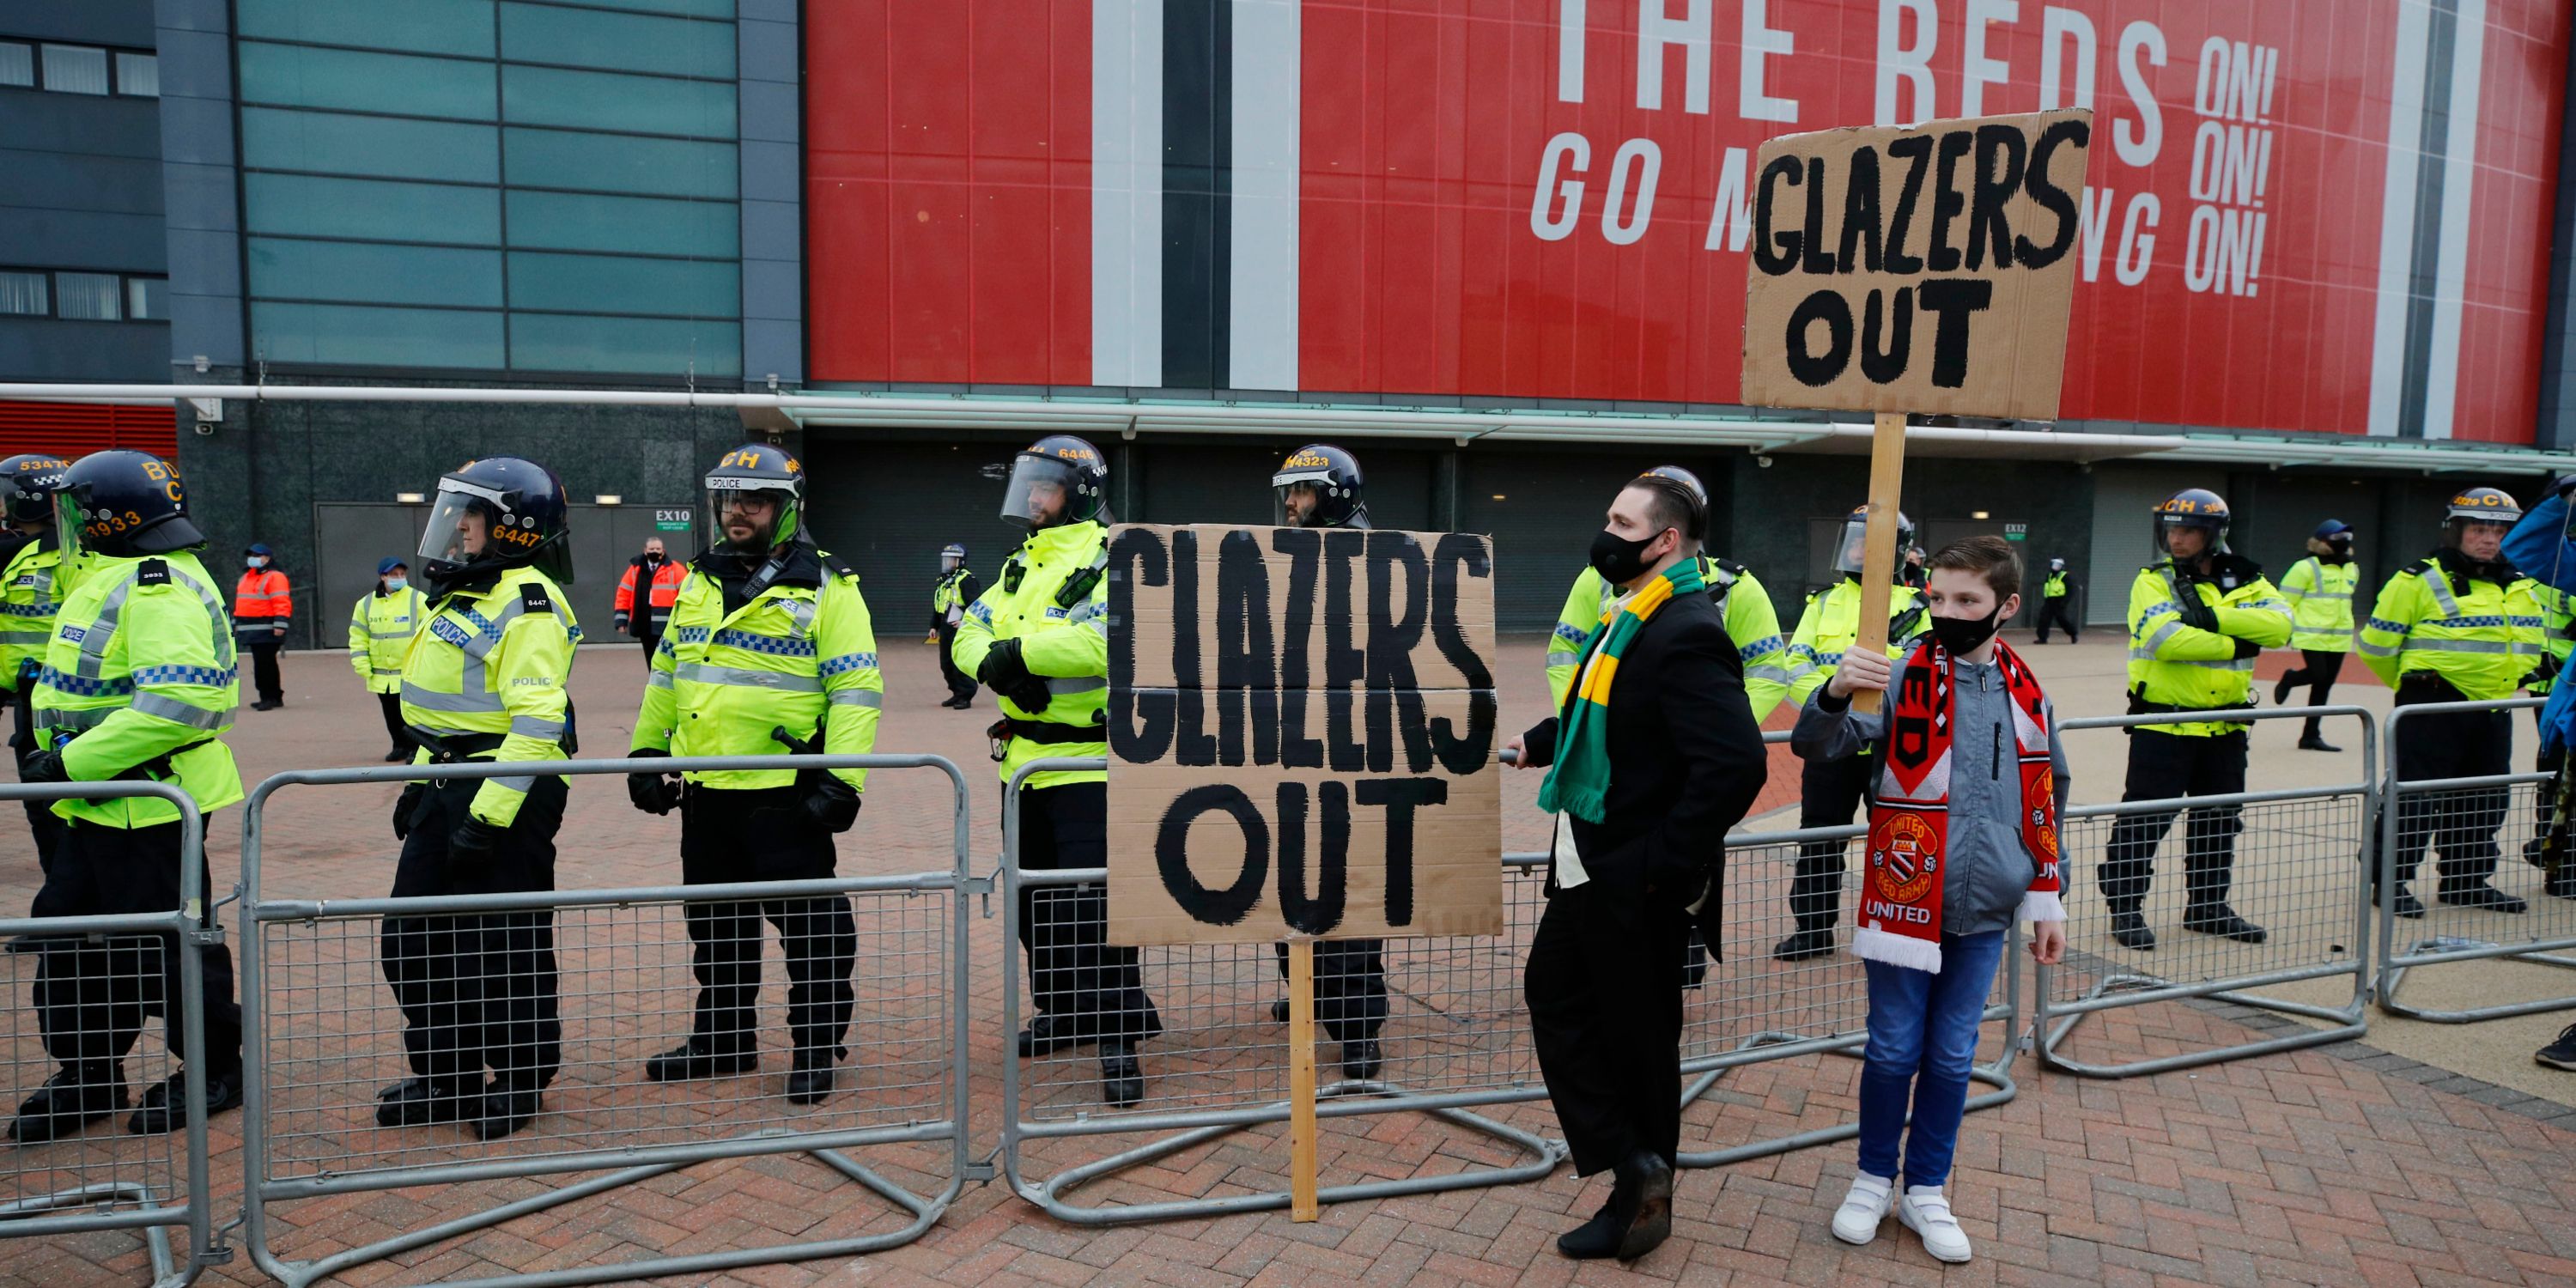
[68, 536]
[460, 525]
[1297, 497]
[1044, 493]
[1852, 548]
[746, 519]
[2214, 532]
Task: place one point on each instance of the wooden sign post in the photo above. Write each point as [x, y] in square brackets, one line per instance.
[1301, 747]
[1924, 269]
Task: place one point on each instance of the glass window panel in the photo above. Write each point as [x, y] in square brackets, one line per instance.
[367, 145]
[17, 63]
[633, 225]
[607, 101]
[639, 346]
[423, 26]
[679, 8]
[373, 208]
[616, 41]
[89, 297]
[340, 333]
[670, 287]
[297, 76]
[25, 293]
[147, 299]
[75, 69]
[138, 75]
[610, 163]
[373, 274]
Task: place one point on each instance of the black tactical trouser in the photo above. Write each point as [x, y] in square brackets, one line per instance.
[2461, 822]
[2060, 613]
[2163, 766]
[94, 992]
[263, 666]
[729, 836]
[1828, 792]
[961, 686]
[1350, 986]
[478, 990]
[41, 819]
[1074, 974]
[2323, 667]
[2549, 762]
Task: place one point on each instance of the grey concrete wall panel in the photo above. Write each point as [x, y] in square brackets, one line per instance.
[199, 183]
[769, 63]
[81, 124]
[81, 239]
[126, 23]
[45, 349]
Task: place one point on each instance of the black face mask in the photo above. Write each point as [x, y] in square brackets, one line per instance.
[1962, 635]
[1619, 561]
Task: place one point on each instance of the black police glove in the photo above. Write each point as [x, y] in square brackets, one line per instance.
[652, 793]
[405, 806]
[2196, 614]
[470, 846]
[44, 767]
[2247, 648]
[1006, 674]
[826, 801]
[2541, 674]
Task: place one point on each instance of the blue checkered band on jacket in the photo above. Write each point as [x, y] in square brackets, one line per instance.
[769, 644]
[847, 662]
[45, 609]
[693, 635]
[82, 686]
[1759, 647]
[212, 675]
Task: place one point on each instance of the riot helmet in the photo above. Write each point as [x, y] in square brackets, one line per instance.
[770, 480]
[1329, 475]
[1055, 481]
[27, 482]
[2193, 507]
[2477, 505]
[122, 504]
[1850, 551]
[494, 513]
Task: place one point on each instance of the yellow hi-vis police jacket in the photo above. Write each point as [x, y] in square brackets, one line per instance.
[140, 675]
[380, 631]
[2320, 596]
[493, 662]
[1751, 622]
[30, 587]
[801, 653]
[1065, 644]
[1831, 622]
[2557, 619]
[2482, 636]
[2175, 665]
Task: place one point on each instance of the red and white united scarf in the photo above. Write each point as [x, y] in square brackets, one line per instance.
[1899, 910]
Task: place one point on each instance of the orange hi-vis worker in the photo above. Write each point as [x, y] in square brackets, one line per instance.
[262, 610]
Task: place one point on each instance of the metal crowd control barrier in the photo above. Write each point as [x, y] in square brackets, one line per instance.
[103, 1178]
[2496, 813]
[324, 1032]
[1455, 1038]
[2296, 871]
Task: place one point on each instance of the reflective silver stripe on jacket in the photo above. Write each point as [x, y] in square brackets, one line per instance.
[177, 712]
[471, 702]
[1060, 685]
[532, 727]
[702, 673]
[83, 718]
[857, 698]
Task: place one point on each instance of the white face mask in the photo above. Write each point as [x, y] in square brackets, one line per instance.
[394, 585]
[255, 562]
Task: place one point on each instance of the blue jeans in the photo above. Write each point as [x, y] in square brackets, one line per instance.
[1922, 1042]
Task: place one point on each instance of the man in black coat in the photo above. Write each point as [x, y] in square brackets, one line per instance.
[1604, 981]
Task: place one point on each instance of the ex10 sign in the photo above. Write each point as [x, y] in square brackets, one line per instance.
[1301, 735]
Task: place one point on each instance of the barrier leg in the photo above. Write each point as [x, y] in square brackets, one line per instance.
[156, 1241]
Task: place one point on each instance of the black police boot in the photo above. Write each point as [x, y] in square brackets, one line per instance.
[77, 1094]
[2220, 920]
[1279, 1011]
[2532, 851]
[1804, 944]
[506, 1111]
[2311, 740]
[815, 1077]
[165, 1103]
[1048, 1034]
[2129, 928]
[1361, 1058]
[1597, 1238]
[420, 1102]
[2478, 894]
[2562, 882]
[1122, 1078]
[2405, 904]
[396, 755]
[692, 1060]
[2281, 689]
[1651, 1219]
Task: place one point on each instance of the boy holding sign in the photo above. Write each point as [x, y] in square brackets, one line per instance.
[1962, 838]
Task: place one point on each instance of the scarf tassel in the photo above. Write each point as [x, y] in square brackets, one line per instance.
[1870, 943]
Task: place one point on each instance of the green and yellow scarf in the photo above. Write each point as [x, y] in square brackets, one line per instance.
[1579, 781]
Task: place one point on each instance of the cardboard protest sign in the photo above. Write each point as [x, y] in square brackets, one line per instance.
[1922, 269]
[1301, 735]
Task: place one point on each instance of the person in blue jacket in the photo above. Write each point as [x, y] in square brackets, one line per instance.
[2540, 547]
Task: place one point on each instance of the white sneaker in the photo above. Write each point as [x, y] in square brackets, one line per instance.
[1926, 1211]
[1856, 1221]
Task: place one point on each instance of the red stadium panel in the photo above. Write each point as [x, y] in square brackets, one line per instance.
[76, 429]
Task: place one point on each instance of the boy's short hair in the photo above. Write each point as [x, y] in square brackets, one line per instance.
[1990, 557]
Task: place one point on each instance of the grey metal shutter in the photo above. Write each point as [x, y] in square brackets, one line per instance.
[1541, 509]
[2123, 535]
[887, 508]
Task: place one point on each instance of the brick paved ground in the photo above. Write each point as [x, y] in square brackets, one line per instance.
[2339, 1165]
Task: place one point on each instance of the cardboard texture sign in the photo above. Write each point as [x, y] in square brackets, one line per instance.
[1922, 269]
[1302, 726]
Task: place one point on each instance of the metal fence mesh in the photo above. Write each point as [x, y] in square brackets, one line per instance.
[2489, 832]
[83, 1034]
[625, 992]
